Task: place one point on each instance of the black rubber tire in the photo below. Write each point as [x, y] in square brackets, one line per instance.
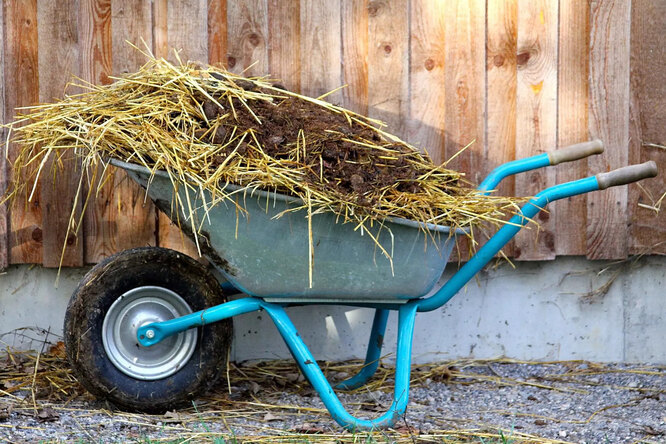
[90, 302]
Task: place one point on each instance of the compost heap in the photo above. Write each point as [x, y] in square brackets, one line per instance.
[207, 127]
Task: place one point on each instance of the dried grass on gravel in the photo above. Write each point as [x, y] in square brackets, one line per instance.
[42, 384]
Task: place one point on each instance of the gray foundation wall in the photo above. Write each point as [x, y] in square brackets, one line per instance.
[555, 310]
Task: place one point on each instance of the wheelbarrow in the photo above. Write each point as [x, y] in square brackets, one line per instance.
[145, 328]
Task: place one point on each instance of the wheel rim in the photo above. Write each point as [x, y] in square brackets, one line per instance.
[135, 308]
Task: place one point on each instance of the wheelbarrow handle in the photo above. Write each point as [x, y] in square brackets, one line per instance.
[566, 154]
[576, 152]
[601, 181]
[628, 174]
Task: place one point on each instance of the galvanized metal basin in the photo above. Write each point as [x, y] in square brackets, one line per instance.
[268, 257]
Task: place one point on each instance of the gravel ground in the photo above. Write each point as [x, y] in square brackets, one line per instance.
[465, 401]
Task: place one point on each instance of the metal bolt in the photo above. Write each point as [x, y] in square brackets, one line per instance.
[150, 334]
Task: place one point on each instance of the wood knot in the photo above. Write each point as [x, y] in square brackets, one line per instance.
[37, 234]
[549, 240]
[462, 92]
[373, 9]
[71, 239]
[231, 61]
[523, 58]
[387, 49]
[429, 64]
[254, 39]
[498, 60]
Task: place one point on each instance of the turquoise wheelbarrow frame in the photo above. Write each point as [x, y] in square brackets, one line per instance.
[407, 307]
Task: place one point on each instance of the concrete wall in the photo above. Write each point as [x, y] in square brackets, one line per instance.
[538, 311]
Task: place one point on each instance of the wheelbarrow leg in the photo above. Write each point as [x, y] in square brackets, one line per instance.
[372, 355]
[309, 367]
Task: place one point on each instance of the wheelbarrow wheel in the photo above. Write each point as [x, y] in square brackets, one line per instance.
[131, 289]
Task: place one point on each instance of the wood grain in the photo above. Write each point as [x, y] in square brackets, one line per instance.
[501, 71]
[321, 49]
[118, 217]
[4, 239]
[610, 33]
[95, 41]
[536, 114]
[131, 21]
[647, 229]
[58, 63]
[247, 39]
[284, 43]
[96, 66]
[550, 74]
[187, 29]
[427, 78]
[388, 65]
[187, 33]
[160, 27]
[572, 127]
[354, 17]
[465, 90]
[21, 79]
[217, 32]
[464, 85]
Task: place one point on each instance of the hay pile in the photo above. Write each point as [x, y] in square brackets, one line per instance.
[207, 127]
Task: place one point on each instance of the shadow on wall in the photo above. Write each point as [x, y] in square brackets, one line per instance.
[476, 160]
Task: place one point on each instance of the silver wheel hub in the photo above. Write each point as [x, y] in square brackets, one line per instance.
[134, 309]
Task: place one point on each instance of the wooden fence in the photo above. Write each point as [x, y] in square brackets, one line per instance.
[517, 77]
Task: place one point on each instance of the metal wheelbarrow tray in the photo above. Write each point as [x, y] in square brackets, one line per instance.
[145, 328]
[267, 256]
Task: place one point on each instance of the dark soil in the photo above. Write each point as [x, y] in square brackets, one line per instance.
[331, 156]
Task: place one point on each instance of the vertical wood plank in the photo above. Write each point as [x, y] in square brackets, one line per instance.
[321, 48]
[4, 247]
[427, 77]
[354, 15]
[647, 231]
[22, 79]
[58, 63]
[247, 24]
[464, 85]
[118, 217]
[217, 32]
[284, 43]
[95, 41]
[571, 214]
[465, 90]
[187, 29]
[536, 113]
[131, 21]
[501, 45]
[610, 22]
[160, 27]
[388, 78]
[96, 67]
[187, 32]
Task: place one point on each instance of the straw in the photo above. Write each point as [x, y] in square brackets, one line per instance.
[207, 127]
[54, 387]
